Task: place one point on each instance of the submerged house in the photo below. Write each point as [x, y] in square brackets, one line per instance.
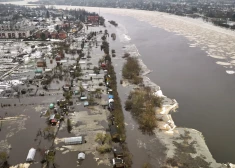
[114, 133]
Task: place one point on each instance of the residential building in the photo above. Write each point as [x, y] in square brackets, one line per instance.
[93, 19]
[41, 63]
[10, 30]
[62, 34]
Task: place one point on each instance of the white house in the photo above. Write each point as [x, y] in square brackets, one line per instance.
[16, 30]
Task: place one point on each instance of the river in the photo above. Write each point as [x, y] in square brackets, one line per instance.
[204, 91]
[201, 86]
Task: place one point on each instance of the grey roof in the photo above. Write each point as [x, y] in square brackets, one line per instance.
[117, 161]
[73, 140]
[81, 155]
[31, 154]
[86, 103]
[118, 150]
[52, 117]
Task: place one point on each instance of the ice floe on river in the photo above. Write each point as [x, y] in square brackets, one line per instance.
[216, 41]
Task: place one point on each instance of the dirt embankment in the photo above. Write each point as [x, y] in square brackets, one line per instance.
[185, 146]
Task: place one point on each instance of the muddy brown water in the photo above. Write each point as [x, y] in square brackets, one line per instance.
[144, 148]
[204, 91]
[27, 138]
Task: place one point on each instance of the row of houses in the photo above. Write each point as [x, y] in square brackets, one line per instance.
[50, 34]
[39, 30]
[16, 29]
[14, 34]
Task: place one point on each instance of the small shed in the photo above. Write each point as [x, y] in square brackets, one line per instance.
[51, 106]
[31, 155]
[118, 162]
[86, 103]
[73, 140]
[66, 88]
[110, 91]
[38, 75]
[76, 92]
[81, 156]
[83, 98]
[52, 117]
[111, 100]
[110, 96]
[48, 70]
[38, 71]
[41, 63]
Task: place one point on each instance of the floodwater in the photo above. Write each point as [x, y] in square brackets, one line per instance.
[144, 148]
[204, 91]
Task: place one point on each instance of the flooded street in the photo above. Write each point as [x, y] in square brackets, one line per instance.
[144, 148]
[56, 115]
